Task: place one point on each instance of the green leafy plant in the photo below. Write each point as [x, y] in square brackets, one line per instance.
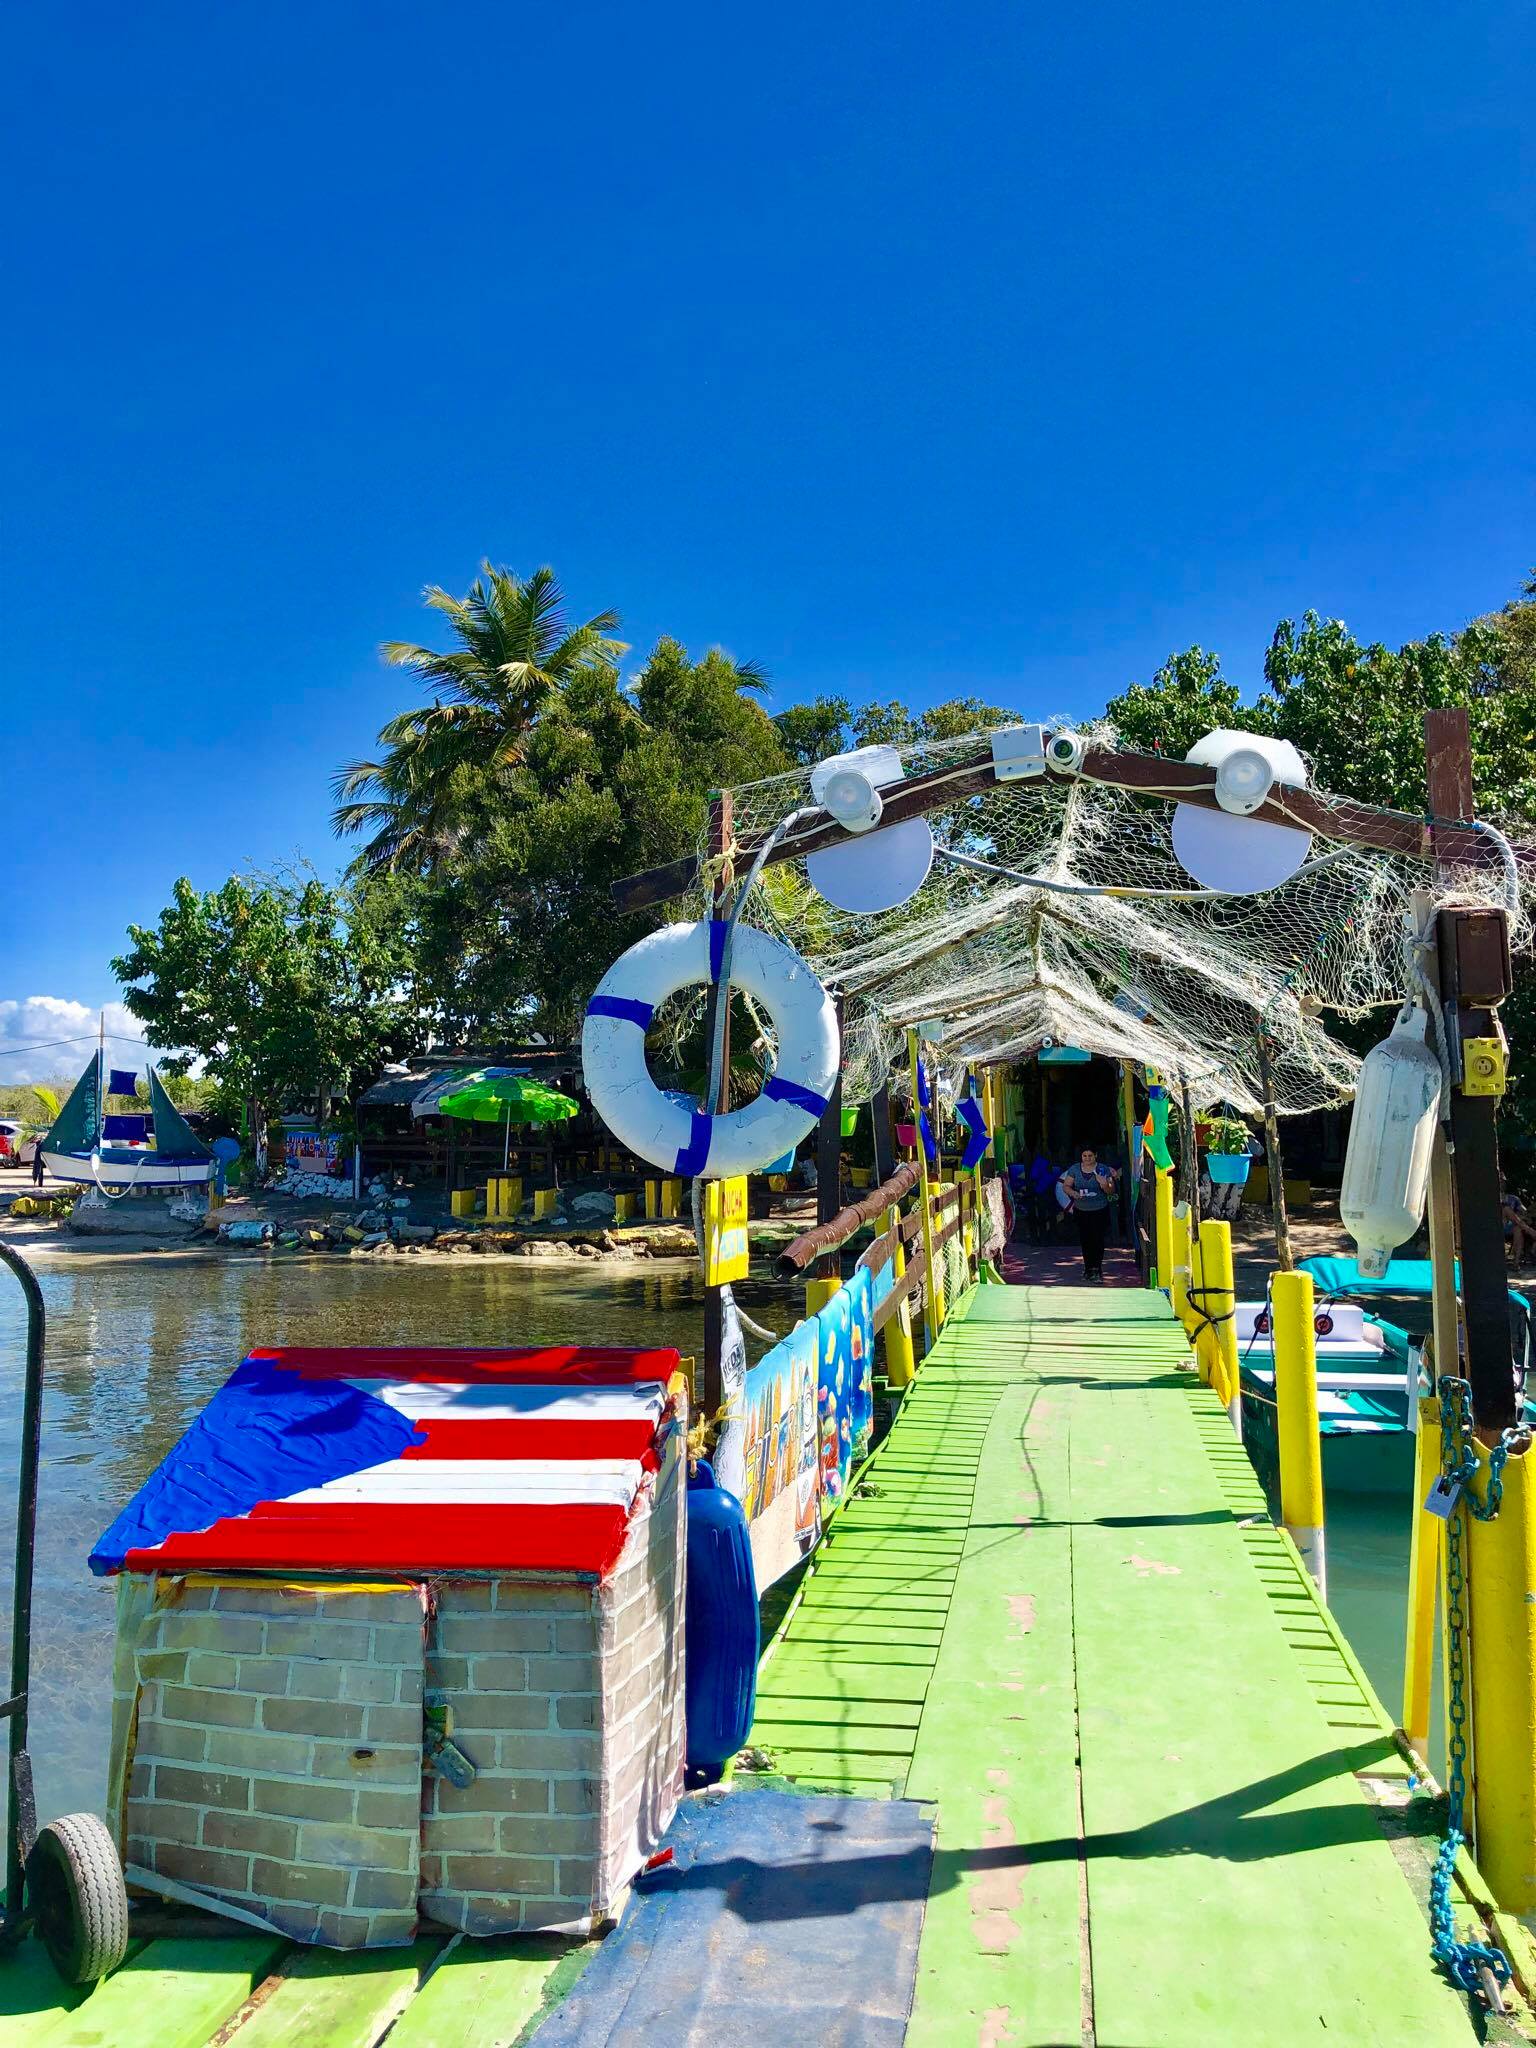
[1225, 1135]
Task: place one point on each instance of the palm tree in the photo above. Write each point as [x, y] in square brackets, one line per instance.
[516, 651]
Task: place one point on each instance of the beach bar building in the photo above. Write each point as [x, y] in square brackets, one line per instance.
[400, 1639]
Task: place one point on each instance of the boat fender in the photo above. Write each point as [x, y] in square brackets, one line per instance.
[674, 1135]
[721, 1629]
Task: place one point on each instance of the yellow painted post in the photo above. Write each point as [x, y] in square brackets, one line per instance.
[624, 1208]
[671, 1197]
[462, 1202]
[1296, 1423]
[1202, 1336]
[933, 1286]
[900, 1361]
[1178, 1252]
[1163, 1227]
[1501, 1601]
[1424, 1564]
[819, 1292]
[1219, 1301]
[545, 1202]
[652, 1200]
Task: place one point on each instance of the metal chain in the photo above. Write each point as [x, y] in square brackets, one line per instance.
[1464, 1961]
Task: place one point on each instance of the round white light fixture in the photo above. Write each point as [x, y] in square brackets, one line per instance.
[872, 870]
[852, 799]
[1065, 750]
[1227, 848]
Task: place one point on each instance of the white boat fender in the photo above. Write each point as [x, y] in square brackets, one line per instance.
[675, 1135]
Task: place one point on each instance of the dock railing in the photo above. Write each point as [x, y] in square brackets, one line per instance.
[936, 1215]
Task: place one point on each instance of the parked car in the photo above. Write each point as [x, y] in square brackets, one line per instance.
[10, 1142]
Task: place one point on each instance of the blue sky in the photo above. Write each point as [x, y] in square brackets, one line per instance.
[906, 350]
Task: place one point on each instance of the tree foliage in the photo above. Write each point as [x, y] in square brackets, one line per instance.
[282, 987]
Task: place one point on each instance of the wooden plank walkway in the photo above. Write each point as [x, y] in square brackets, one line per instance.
[1143, 1739]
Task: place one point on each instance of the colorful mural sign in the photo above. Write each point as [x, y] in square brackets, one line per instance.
[767, 1455]
[311, 1151]
[845, 1382]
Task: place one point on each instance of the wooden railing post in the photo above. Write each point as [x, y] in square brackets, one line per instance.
[933, 1296]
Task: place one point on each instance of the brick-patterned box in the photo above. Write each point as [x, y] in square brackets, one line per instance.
[401, 1633]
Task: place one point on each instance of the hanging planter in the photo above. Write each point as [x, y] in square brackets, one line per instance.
[849, 1119]
[1227, 1158]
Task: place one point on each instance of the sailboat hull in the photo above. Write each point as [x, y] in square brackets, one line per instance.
[114, 1168]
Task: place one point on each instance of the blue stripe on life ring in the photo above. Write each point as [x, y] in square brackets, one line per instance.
[791, 1091]
[692, 1157]
[718, 927]
[628, 1009]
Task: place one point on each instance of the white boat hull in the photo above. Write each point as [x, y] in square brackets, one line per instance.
[102, 1170]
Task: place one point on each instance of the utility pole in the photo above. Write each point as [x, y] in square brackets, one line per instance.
[1475, 976]
[1277, 1209]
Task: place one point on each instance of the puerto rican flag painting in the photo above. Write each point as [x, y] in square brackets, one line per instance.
[407, 1461]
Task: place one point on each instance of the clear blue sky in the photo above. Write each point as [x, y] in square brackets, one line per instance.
[907, 350]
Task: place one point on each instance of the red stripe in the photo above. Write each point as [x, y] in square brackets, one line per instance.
[581, 1364]
[531, 1439]
[277, 1536]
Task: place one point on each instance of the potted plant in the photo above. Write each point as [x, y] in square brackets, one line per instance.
[1227, 1160]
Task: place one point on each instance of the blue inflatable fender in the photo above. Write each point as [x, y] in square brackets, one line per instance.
[721, 1629]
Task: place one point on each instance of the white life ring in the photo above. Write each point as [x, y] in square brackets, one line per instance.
[689, 1141]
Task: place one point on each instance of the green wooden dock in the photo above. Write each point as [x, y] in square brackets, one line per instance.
[1169, 1811]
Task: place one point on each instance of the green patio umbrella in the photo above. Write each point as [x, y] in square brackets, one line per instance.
[508, 1099]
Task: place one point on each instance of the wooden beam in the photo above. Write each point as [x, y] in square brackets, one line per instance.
[1466, 993]
[1331, 817]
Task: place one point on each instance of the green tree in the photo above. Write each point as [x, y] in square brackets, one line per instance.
[811, 732]
[1187, 698]
[516, 653]
[517, 929]
[285, 990]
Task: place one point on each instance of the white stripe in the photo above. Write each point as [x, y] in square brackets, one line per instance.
[502, 1401]
[448, 1481]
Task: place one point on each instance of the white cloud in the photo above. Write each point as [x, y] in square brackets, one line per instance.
[42, 1036]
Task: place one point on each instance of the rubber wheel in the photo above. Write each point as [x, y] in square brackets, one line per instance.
[75, 1887]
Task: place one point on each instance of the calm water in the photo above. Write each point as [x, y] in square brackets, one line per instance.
[135, 1347]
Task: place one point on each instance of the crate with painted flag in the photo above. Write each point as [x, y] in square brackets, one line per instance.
[400, 1640]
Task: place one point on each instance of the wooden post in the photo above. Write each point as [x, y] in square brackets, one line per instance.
[714, 1300]
[825, 1276]
[933, 1300]
[1445, 1307]
[1128, 1202]
[880, 1123]
[1277, 1210]
[1473, 964]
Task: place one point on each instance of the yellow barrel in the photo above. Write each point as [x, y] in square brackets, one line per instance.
[652, 1200]
[462, 1202]
[1296, 1424]
[671, 1197]
[545, 1202]
[623, 1208]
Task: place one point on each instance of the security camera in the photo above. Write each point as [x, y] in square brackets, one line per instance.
[1064, 750]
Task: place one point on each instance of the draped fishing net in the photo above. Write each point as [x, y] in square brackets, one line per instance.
[1010, 963]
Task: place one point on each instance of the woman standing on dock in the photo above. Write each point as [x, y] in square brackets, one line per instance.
[1088, 1188]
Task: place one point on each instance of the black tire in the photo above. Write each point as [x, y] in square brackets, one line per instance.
[75, 1887]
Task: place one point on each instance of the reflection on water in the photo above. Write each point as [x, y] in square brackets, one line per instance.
[135, 1347]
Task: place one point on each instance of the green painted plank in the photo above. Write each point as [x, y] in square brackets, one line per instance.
[484, 1994]
[1216, 1797]
[999, 1961]
[33, 1996]
[338, 2000]
[174, 1994]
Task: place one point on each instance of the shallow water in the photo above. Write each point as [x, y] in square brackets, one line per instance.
[135, 1348]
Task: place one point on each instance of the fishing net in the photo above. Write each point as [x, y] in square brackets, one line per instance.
[1009, 963]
